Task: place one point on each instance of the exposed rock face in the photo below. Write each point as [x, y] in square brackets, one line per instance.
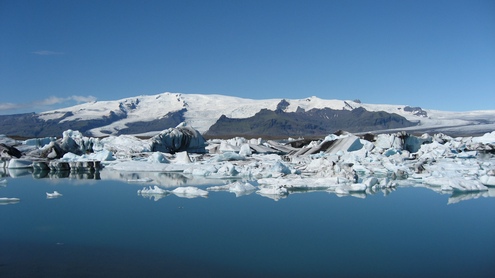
[315, 122]
[418, 111]
[179, 139]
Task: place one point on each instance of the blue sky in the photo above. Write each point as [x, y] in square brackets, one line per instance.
[433, 54]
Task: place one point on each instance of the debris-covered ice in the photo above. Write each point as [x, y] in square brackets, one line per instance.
[344, 164]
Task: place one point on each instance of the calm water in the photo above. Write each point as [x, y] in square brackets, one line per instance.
[102, 228]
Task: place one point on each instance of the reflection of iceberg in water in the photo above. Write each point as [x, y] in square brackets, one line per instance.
[156, 193]
[164, 179]
[15, 173]
[360, 195]
[79, 175]
[9, 201]
[457, 197]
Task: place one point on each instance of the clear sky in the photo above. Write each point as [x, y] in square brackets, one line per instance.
[433, 54]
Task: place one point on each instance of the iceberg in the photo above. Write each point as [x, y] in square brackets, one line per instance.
[344, 163]
[239, 188]
[178, 139]
[54, 194]
[190, 192]
[19, 164]
[153, 192]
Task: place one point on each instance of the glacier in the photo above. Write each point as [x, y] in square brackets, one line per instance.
[201, 111]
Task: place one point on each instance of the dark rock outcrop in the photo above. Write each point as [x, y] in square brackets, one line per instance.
[315, 122]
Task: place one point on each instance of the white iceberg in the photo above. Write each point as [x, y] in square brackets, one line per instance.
[16, 163]
[239, 188]
[54, 194]
[153, 192]
[190, 192]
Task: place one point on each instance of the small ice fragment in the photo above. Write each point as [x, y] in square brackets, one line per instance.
[55, 194]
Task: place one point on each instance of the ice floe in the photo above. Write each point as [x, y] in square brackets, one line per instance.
[344, 164]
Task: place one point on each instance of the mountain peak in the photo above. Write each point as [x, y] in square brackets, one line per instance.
[152, 112]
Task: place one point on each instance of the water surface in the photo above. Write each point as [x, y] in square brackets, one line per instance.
[103, 228]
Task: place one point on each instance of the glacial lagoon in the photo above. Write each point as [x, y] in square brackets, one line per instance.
[104, 228]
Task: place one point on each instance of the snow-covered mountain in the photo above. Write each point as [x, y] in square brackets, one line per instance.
[149, 114]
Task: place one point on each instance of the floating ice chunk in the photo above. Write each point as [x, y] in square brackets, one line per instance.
[281, 168]
[227, 147]
[190, 192]
[3, 181]
[152, 190]
[123, 145]
[298, 183]
[15, 163]
[54, 194]
[273, 192]
[182, 158]
[469, 154]
[140, 180]
[227, 170]
[158, 157]
[201, 170]
[370, 182]
[347, 188]
[245, 150]
[487, 138]
[178, 139]
[487, 180]
[237, 187]
[103, 155]
[387, 141]
[7, 201]
[39, 142]
[228, 156]
[154, 193]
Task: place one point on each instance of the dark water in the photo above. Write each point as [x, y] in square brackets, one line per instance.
[103, 228]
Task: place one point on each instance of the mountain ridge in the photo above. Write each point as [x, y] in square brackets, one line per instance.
[149, 114]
